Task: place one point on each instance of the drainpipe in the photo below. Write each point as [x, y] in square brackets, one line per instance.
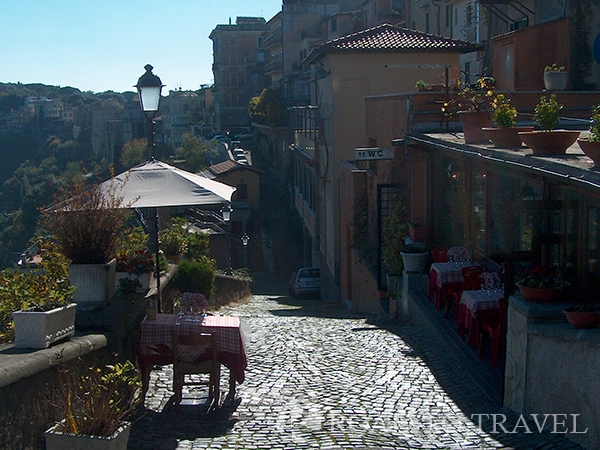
[437, 20]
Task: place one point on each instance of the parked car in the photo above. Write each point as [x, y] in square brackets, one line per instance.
[241, 159]
[244, 135]
[306, 282]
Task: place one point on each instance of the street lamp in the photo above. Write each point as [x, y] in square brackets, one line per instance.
[226, 212]
[149, 87]
[245, 239]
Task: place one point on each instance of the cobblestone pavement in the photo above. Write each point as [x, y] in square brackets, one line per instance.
[321, 377]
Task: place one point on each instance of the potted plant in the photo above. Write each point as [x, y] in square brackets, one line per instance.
[39, 302]
[394, 233]
[548, 140]
[173, 239]
[583, 315]
[417, 231]
[555, 77]
[591, 144]
[86, 226]
[95, 402]
[505, 133]
[422, 86]
[541, 285]
[473, 105]
[414, 258]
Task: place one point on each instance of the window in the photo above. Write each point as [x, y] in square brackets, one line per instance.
[333, 25]
[233, 60]
[261, 57]
[254, 78]
[233, 79]
[427, 22]
[259, 41]
[448, 16]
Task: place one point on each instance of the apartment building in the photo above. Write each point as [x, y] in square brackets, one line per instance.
[238, 69]
[185, 112]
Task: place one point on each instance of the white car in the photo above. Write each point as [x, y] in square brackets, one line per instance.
[306, 282]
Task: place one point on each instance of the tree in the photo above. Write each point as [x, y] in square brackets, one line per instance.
[134, 153]
[193, 152]
[270, 106]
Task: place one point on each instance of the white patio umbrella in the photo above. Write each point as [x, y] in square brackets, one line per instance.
[154, 184]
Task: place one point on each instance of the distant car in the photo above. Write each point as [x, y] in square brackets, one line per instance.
[236, 144]
[306, 282]
[241, 159]
[244, 135]
[239, 152]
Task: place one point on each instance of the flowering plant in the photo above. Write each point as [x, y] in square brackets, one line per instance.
[138, 262]
[478, 97]
[542, 278]
[505, 115]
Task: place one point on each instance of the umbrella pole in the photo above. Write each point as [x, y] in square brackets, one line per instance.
[157, 247]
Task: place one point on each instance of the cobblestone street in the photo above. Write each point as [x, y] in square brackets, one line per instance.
[320, 376]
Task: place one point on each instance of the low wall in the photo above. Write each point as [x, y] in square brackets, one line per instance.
[28, 377]
[230, 289]
[552, 370]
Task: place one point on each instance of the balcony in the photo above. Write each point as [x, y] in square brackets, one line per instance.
[274, 38]
[273, 66]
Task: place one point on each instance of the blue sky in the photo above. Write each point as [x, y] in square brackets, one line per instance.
[100, 45]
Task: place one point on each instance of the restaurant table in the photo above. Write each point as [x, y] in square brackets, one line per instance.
[444, 275]
[156, 339]
[474, 305]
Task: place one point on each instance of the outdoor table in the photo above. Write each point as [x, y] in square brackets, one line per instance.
[442, 276]
[156, 337]
[473, 305]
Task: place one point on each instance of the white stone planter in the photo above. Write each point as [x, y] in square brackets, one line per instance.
[95, 284]
[58, 440]
[414, 262]
[556, 81]
[35, 329]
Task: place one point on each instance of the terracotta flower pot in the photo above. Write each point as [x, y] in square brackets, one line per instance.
[555, 142]
[536, 295]
[472, 123]
[591, 150]
[582, 319]
[505, 137]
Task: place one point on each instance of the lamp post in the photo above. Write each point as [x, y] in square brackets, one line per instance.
[245, 239]
[149, 88]
[226, 212]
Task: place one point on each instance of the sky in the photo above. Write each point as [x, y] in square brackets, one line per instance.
[102, 45]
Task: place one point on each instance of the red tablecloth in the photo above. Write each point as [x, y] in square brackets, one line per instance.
[229, 336]
[442, 276]
[472, 305]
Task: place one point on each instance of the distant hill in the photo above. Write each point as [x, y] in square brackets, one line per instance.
[12, 95]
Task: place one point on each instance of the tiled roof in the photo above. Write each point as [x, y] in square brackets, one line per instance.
[391, 38]
[228, 166]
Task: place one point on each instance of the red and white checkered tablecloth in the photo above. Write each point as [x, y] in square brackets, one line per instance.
[449, 272]
[229, 335]
[478, 300]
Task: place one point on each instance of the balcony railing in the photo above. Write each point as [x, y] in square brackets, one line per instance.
[274, 66]
[305, 121]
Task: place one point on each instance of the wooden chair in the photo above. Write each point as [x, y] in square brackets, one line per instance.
[471, 281]
[491, 324]
[439, 255]
[184, 349]
[147, 358]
